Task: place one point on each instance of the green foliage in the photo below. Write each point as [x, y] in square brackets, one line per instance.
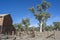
[49, 28]
[18, 26]
[56, 25]
[37, 28]
[34, 28]
[32, 9]
[30, 28]
[45, 5]
[41, 8]
[41, 14]
[26, 23]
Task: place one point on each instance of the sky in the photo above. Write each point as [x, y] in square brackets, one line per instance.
[19, 10]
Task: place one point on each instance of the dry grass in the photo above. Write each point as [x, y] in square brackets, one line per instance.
[50, 35]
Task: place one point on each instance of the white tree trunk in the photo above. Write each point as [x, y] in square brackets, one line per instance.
[41, 26]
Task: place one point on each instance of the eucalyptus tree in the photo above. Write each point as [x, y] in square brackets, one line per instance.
[40, 14]
[49, 28]
[26, 23]
[56, 25]
[18, 26]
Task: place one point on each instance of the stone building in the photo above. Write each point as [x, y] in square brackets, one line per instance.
[6, 26]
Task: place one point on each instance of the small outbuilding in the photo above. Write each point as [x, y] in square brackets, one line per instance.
[6, 26]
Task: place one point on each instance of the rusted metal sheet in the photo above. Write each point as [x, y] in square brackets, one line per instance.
[6, 26]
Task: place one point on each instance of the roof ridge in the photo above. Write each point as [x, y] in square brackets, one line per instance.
[3, 14]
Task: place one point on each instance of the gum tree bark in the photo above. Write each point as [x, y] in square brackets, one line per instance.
[41, 23]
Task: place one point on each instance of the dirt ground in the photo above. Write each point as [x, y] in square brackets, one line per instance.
[50, 35]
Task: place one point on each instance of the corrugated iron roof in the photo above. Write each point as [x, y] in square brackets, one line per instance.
[3, 14]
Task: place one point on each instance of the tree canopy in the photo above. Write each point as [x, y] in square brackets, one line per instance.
[56, 25]
[40, 14]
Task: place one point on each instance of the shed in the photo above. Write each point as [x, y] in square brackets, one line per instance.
[6, 24]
